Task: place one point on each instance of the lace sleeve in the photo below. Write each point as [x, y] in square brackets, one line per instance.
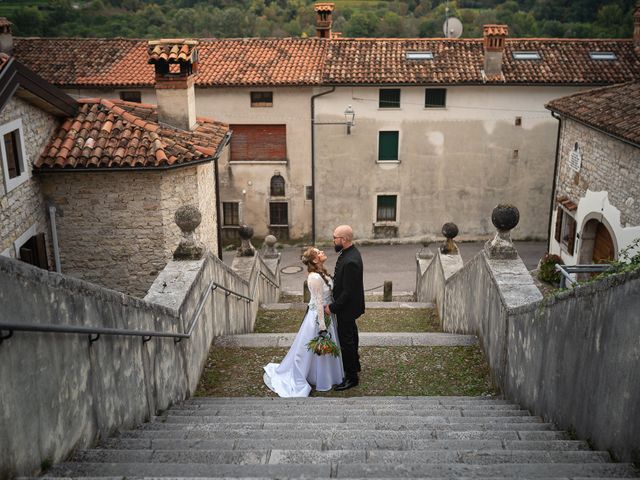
[316, 285]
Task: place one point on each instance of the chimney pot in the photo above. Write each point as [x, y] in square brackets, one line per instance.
[494, 40]
[324, 19]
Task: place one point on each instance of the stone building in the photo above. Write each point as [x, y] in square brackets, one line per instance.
[30, 111]
[597, 184]
[114, 173]
[444, 128]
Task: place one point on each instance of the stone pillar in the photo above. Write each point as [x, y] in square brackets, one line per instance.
[269, 247]
[505, 218]
[450, 231]
[188, 218]
[245, 249]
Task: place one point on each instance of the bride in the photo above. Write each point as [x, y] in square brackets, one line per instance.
[301, 368]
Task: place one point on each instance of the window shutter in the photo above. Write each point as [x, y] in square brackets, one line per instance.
[255, 143]
[558, 224]
[41, 251]
[388, 146]
[572, 236]
[28, 254]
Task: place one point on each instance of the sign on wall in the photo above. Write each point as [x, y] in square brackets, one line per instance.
[575, 158]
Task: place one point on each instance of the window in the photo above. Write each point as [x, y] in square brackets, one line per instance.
[388, 146]
[262, 99]
[602, 55]
[565, 233]
[230, 214]
[419, 55]
[435, 98]
[389, 98]
[278, 213]
[526, 55]
[259, 143]
[131, 96]
[12, 153]
[308, 192]
[34, 251]
[386, 208]
[518, 122]
[277, 186]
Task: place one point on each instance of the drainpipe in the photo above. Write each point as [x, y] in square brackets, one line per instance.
[313, 162]
[555, 174]
[54, 238]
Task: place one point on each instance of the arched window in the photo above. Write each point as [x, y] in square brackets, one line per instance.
[277, 186]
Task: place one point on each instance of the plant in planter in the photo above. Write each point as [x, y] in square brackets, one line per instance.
[547, 268]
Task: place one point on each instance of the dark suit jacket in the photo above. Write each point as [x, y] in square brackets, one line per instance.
[348, 286]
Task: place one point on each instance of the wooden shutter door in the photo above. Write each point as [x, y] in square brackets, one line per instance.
[41, 251]
[603, 249]
[558, 224]
[255, 143]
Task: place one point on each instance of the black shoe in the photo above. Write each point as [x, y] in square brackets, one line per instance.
[347, 384]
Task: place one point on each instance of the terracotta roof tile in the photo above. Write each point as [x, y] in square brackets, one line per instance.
[313, 61]
[173, 50]
[108, 134]
[614, 110]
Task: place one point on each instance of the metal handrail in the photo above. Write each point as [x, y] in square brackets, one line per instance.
[95, 332]
[268, 279]
[566, 270]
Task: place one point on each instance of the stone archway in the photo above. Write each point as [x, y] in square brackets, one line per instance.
[597, 244]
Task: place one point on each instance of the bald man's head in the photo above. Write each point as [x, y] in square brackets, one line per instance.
[344, 231]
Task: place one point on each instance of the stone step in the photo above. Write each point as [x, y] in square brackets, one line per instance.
[354, 411]
[346, 470]
[297, 456]
[331, 420]
[398, 442]
[544, 432]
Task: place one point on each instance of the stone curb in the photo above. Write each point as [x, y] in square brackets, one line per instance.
[367, 339]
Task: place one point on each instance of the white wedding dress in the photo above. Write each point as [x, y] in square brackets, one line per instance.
[301, 368]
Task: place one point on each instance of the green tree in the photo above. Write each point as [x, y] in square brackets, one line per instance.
[362, 24]
[28, 21]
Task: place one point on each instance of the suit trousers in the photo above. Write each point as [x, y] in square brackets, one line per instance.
[348, 335]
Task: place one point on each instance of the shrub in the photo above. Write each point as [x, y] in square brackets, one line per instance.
[547, 271]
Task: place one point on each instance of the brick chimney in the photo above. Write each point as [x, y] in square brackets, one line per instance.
[324, 19]
[175, 62]
[6, 37]
[494, 36]
[636, 29]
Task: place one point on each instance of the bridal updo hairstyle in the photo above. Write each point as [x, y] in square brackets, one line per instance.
[308, 257]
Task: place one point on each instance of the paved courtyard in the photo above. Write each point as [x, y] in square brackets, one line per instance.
[385, 262]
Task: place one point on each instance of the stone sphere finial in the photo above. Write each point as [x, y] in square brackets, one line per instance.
[268, 249]
[450, 231]
[504, 217]
[188, 218]
[245, 249]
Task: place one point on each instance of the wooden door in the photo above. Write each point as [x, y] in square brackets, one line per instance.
[603, 248]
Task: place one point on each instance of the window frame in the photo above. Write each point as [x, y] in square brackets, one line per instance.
[260, 103]
[278, 193]
[395, 160]
[426, 92]
[386, 223]
[287, 213]
[224, 215]
[567, 228]
[12, 183]
[386, 106]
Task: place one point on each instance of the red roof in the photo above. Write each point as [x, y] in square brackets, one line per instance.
[112, 134]
[83, 62]
[614, 110]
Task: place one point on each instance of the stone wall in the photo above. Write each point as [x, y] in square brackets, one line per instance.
[572, 358]
[117, 229]
[607, 165]
[67, 394]
[25, 205]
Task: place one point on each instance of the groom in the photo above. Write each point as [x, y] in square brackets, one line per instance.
[348, 302]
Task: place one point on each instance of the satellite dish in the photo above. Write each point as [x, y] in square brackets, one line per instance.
[452, 28]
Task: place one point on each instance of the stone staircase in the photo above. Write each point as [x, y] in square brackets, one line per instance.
[360, 437]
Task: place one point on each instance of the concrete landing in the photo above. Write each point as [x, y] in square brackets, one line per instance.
[367, 339]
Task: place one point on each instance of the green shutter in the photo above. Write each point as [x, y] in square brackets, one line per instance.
[388, 146]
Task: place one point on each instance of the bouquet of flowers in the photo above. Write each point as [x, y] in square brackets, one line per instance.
[323, 345]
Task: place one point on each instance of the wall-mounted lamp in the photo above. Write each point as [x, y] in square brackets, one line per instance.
[350, 117]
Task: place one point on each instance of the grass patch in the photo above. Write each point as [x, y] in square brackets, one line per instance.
[374, 320]
[237, 372]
